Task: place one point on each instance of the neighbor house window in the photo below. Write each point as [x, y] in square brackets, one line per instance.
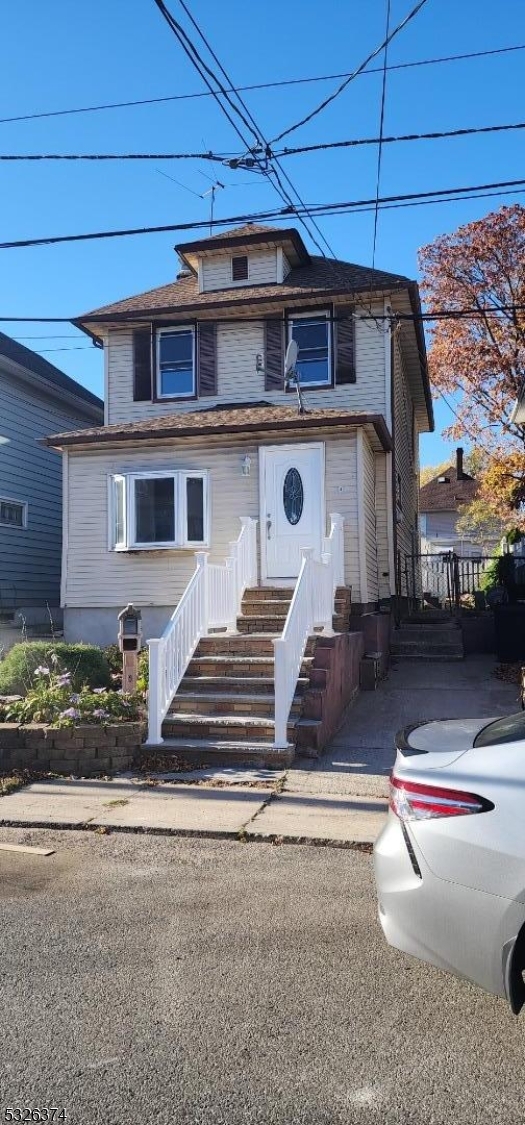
[13, 513]
[176, 363]
[240, 267]
[158, 510]
[312, 335]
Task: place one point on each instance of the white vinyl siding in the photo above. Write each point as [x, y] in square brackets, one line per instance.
[370, 508]
[98, 577]
[382, 483]
[406, 461]
[238, 345]
[216, 271]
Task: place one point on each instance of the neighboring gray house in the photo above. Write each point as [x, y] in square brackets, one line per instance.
[36, 399]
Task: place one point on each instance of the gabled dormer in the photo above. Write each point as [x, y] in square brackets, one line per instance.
[245, 257]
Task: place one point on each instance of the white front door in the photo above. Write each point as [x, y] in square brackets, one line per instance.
[292, 506]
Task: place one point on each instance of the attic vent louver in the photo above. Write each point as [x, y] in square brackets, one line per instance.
[240, 267]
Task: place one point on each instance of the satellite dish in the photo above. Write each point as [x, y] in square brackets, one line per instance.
[290, 358]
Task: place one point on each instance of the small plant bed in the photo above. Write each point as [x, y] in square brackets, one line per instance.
[64, 720]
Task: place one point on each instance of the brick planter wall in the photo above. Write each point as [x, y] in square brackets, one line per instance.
[82, 750]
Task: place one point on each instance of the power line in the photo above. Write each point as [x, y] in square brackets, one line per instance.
[308, 80]
[327, 101]
[472, 313]
[435, 136]
[323, 209]
[277, 173]
[234, 158]
[245, 114]
[381, 125]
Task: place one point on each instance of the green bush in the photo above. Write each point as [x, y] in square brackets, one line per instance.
[86, 664]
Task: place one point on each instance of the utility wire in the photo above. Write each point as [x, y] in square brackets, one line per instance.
[381, 125]
[227, 159]
[244, 114]
[344, 207]
[327, 101]
[263, 85]
[276, 172]
[433, 315]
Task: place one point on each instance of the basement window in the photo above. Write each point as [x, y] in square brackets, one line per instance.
[240, 270]
[158, 510]
[13, 513]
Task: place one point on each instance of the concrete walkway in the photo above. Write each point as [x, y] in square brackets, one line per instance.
[339, 799]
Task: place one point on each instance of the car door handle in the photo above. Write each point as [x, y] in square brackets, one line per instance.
[268, 527]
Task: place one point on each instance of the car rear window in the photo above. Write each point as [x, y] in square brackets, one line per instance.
[509, 729]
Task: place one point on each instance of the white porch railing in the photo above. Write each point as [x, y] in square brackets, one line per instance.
[312, 606]
[211, 600]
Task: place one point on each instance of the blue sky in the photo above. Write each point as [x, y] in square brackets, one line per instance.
[58, 55]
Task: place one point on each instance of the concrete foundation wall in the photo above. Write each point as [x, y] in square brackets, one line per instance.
[99, 626]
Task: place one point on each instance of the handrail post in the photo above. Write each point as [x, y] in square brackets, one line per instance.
[154, 707]
[231, 569]
[281, 709]
[308, 554]
[338, 554]
[328, 594]
[201, 558]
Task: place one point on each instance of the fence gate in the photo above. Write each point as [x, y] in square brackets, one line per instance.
[441, 580]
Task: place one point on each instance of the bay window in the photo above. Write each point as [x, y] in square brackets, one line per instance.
[312, 333]
[158, 510]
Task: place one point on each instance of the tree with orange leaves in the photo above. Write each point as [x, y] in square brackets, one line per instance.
[479, 358]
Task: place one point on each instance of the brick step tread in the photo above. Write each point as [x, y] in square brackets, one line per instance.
[237, 643]
[423, 646]
[429, 656]
[212, 752]
[232, 696]
[246, 684]
[261, 593]
[190, 718]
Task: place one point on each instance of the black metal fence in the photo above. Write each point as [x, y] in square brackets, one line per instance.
[443, 580]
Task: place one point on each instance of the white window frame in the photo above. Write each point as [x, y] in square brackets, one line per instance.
[315, 314]
[181, 541]
[21, 504]
[167, 331]
[242, 280]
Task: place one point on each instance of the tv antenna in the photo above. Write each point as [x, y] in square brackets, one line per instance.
[291, 377]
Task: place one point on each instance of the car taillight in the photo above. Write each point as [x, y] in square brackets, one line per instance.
[410, 800]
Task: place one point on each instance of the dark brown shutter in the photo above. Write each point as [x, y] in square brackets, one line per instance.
[207, 358]
[345, 344]
[274, 355]
[142, 355]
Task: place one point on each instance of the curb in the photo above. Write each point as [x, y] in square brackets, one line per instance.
[240, 835]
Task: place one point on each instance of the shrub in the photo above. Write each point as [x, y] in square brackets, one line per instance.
[86, 664]
[52, 700]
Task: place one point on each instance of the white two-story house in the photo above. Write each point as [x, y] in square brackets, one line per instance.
[203, 429]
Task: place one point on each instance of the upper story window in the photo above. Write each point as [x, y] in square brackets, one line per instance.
[159, 509]
[176, 363]
[240, 268]
[313, 336]
[13, 513]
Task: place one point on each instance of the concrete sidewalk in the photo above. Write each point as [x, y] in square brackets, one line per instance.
[339, 799]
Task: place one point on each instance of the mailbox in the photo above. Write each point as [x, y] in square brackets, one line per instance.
[130, 629]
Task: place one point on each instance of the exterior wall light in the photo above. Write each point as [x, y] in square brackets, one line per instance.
[246, 465]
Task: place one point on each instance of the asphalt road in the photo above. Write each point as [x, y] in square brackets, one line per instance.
[220, 983]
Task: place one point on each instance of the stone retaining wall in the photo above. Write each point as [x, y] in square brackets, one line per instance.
[82, 750]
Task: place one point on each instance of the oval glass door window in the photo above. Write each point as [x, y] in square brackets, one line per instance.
[293, 496]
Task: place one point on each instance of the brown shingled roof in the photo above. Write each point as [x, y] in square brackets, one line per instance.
[250, 418]
[323, 277]
[447, 495]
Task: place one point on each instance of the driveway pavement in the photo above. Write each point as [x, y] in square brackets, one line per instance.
[339, 799]
[204, 982]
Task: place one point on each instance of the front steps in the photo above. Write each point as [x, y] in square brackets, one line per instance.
[433, 641]
[223, 711]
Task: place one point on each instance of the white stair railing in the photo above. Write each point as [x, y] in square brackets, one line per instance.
[211, 600]
[311, 607]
